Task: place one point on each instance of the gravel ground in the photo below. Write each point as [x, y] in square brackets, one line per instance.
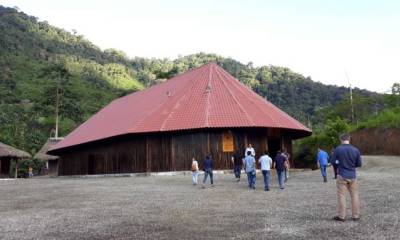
[169, 207]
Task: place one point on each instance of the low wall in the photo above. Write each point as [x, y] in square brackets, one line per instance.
[377, 141]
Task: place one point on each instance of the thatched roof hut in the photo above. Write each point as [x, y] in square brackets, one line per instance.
[51, 160]
[12, 152]
[8, 154]
[42, 154]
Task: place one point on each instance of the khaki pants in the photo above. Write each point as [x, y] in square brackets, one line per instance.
[352, 186]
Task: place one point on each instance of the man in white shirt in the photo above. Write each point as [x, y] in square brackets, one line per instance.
[251, 149]
[266, 163]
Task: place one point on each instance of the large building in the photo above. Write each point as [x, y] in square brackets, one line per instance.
[203, 111]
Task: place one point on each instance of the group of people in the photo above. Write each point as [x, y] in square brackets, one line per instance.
[248, 163]
[280, 163]
[345, 159]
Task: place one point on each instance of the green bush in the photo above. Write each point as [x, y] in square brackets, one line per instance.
[387, 118]
[305, 150]
[23, 167]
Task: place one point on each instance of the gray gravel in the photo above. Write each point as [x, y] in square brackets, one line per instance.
[169, 207]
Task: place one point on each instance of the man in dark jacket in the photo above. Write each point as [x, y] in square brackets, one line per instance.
[208, 170]
[279, 165]
[237, 161]
[347, 158]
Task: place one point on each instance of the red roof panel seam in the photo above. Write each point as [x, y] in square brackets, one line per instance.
[233, 97]
[177, 103]
[251, 100]
[208, 88]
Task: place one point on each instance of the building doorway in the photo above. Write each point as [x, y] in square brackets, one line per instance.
[274, 145]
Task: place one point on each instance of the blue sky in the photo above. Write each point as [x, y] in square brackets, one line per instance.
[320, 39]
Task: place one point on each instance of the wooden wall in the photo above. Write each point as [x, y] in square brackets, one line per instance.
[163, 151]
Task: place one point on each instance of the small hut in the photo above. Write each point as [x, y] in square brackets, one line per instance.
[7, 155]
[50, 160]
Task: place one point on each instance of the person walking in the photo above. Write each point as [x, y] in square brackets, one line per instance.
[279, 165]
[30, 171]
[195, 171]
[237, 162]
[266, 163]
[250, 166]
[208, 170]
[322, 163]
[251, 149]
[334, 166]
[287, 164]
[347, 158]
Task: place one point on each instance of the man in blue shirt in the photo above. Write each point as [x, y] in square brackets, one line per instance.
[279, 164]
[250, 166]
[347, 158]
[322, 162]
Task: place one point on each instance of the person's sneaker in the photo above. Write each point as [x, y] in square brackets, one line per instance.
[355, 219]
[337, 218]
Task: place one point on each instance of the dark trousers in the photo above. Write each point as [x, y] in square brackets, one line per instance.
[237, 170]
[206, 173]
[265, 174]
[334, 170]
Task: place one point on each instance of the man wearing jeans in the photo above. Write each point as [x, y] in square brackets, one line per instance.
[237, 165]
[250, 166]
[279, 164]
[266, 163]
[208, 170]
[322, 162]
[347, 158]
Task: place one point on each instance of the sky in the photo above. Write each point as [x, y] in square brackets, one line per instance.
[322, 39]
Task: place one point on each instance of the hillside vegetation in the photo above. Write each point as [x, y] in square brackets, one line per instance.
[39, 61]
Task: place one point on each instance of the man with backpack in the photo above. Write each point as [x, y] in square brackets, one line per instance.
[195, 171]
[279, 164]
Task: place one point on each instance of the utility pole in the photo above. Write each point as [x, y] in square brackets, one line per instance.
[351, 96]
[57, 103]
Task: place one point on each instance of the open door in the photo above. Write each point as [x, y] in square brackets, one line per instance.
[274, 145]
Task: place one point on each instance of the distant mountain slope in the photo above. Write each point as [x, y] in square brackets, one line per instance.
[38, 60]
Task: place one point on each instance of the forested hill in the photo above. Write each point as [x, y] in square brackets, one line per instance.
[38, 60]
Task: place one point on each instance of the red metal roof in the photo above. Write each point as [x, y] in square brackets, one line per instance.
[205, 97]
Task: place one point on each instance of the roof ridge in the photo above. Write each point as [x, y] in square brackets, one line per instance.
[178, 101]
[208, 95]
[234, 98]
[285, 115]
[251, 100]
[140, 121]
